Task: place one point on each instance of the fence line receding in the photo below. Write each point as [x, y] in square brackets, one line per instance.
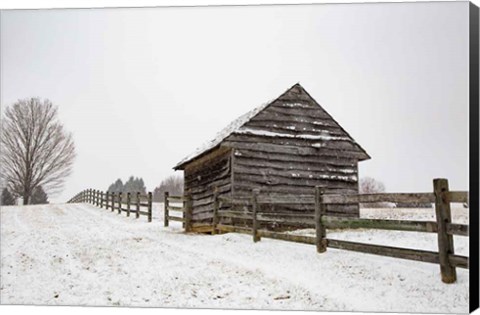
[132, 203]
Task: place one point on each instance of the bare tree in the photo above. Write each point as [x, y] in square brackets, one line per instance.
[36, 150]
[173, 184]
[369, 185]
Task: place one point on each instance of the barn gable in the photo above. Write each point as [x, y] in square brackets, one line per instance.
[296, 119]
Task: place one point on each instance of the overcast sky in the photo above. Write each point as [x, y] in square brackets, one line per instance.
[141, 88]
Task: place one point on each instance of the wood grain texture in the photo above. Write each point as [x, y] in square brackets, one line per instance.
[445, 240]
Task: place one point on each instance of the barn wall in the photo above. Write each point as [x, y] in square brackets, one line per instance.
[294, 174]
[201, 178]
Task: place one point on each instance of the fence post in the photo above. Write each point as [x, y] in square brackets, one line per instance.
[128, 204]
[320, 230]
[184, 215]
[97, 198]
[119, 202]
[445, 241]
[216, 205]
[165, 204]
[137, 214]
[112, 204]
[89, 195]
[101, 199]
[149, 202]
[188, 212]
[255, 193]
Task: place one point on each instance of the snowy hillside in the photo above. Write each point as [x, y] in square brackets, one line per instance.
[77, 254]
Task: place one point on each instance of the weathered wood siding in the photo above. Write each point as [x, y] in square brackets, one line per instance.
[292, 146]
[201, 178]
[286, 147]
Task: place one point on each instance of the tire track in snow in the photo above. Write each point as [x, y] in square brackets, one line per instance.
[185, 255]
[169, 255]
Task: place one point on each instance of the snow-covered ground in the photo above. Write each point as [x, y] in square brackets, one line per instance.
[77, 254]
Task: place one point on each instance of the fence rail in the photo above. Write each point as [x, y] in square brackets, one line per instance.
[185, 209]
[248, 211]
[130, 203]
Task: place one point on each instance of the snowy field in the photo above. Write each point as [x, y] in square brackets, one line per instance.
[77, 254]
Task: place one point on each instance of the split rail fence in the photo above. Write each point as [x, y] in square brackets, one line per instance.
[131, 203]
[254, 221]
[177, 204]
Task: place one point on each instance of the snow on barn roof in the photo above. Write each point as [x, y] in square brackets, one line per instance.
[224, 133]
[236, 127]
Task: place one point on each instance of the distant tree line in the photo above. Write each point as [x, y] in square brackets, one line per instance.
[133, 184]
[38, 197]
[173, 184]
[7, 198]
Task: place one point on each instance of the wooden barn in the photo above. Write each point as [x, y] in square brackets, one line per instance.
[287, 146]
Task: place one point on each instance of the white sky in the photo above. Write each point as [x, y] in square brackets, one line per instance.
[142, 88]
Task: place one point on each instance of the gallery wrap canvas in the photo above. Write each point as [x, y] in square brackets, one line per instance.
[308, 157]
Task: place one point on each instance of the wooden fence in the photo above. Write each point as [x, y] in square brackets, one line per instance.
[245, 215]
[131, 203]
[185, 209]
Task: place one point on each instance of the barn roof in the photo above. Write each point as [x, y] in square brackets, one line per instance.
[235, 127]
